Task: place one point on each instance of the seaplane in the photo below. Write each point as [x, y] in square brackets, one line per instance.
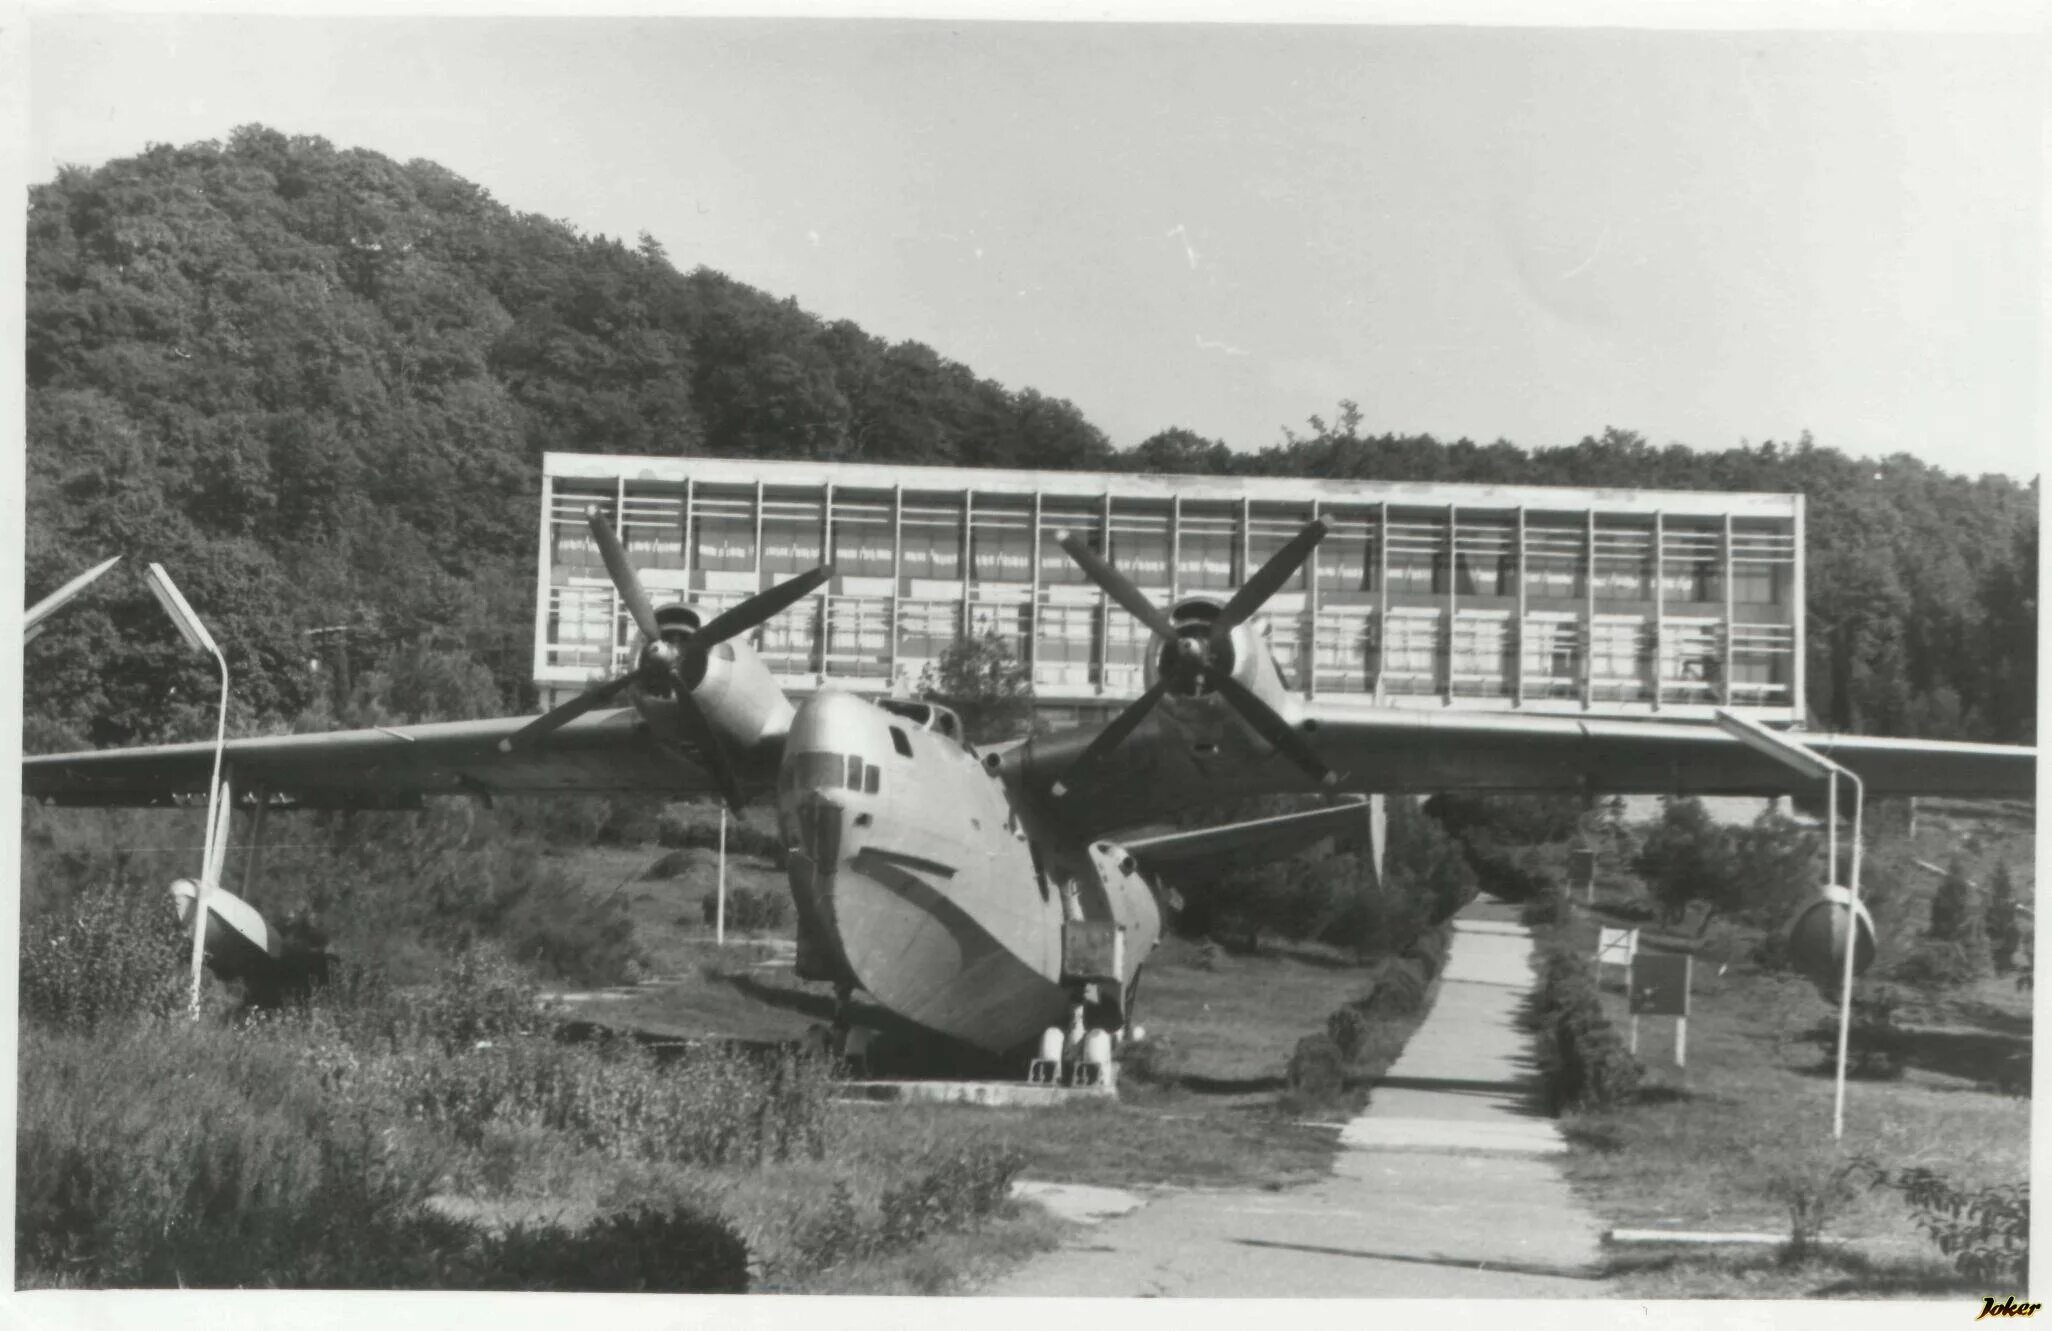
[998, 898]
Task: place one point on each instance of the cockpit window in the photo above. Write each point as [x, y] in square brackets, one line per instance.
[901, 742]
[872, 778]
[854, 772]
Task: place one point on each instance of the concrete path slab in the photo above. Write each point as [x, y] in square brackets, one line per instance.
[1443, 1188]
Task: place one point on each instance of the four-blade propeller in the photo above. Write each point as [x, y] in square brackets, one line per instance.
[1196, 656]
[673, 659]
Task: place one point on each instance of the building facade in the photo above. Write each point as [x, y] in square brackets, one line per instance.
[1541, 599]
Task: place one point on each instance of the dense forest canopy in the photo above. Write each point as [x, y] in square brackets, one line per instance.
[317, 385]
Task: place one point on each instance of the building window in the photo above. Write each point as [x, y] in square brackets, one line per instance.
[1205, 543]
[931, 540]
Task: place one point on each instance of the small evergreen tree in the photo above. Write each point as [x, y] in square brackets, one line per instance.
[2001, 922]
[1949, 905]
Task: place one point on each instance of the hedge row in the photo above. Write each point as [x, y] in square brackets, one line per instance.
[1584, 1061]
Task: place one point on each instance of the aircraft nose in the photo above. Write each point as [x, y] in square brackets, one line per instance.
[821, 821]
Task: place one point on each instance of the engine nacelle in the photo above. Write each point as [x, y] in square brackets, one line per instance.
[1251, 663]
[737, 693]
[1816, 938]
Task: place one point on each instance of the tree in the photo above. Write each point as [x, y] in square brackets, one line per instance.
[1951, 903]
[1688, 857]
[2001, 920]
[987, 685]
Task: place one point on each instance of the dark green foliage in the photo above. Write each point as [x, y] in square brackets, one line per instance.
[1986, 1231]
[702, 832]
[1348, 1030]
[964, 1188]
[988, 686]
[1582, 1058]
[674, 1251]
[1547, 907]
[2004, 932]
[1933, 964]
[1317, 1072]
[1877, 1048]
[112, 953]
[1951, 904]
[751, 910]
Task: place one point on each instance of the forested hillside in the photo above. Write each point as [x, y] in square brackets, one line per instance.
[317, 384]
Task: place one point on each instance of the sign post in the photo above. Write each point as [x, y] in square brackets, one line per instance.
[1801, 758]
[1660, 988]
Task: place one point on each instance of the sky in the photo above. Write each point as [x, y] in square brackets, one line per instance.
[1707, 237]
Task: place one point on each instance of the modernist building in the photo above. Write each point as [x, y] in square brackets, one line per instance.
[1541, 599]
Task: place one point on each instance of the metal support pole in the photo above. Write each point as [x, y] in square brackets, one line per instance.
[218, 801]
[720, 907]
[1852, 948]
[1681, 1042]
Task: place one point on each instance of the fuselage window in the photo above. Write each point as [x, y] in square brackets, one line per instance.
[872, 778]
[854, 772]
[901, 742]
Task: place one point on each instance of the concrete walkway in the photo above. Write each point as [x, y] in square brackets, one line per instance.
[1444, 1187]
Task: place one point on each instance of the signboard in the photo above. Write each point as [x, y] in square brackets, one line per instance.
[1616, 947]
[1660, 984]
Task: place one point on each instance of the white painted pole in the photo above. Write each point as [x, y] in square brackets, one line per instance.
[1681, 1042]
[216, 840]
[720, 910]
[1635, 1035]
[1852, 948]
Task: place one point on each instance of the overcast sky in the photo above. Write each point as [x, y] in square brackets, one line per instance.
[1706, 237]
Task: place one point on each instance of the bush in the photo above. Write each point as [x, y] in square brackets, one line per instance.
[112, 953]
[1548, 906]
[1933, 964]
[1317, 1072]
[750, 910]
[1815, 1184]
[1985, 1231]
[1585, 1064]
[680, 831]
[963, 1189]
[675, 1251]
[1400, 988]
[1348, 1029]
[1877, 1048]
[193, 1156]
[1156, 1061]
[669, 865]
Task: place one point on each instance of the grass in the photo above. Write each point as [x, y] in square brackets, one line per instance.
[1714, 1145]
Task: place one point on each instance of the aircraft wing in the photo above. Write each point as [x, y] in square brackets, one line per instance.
[387, 766]
[1172, 763]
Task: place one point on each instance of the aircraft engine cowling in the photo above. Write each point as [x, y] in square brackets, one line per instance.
[1815, 938]
[734, 690]
[1244, 655]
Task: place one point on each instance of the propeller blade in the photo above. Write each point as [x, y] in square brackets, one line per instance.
[1116, 586]
[1274, 729]
[557, 717]
[1267, 581]
[762, 607]
[624, 580]
[711, 752]
[1113, 735]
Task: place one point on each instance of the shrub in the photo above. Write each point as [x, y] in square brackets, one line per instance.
[1547, 907]
[1815, 1184]
[1985, 1231]
[1399, 988]
[1317, 1070]
[201, 1157]
[1876, 1046]
[963, 1189]
[1585, 1064]
[1156, 1061]
[1933, 964]
[669, 865]
[834, 1235]
[750, 910]
[679, 831]
[1348, 1028]
[112, 953]
[675, 1251]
